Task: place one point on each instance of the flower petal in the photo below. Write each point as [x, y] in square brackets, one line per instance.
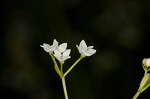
[55, 42]
[53, 47]
[66, 53]
[65, 58]
[90, 52]
[57, 53]
[83, 45]
[90, 47]
[78, 48]
[62, 47]
[46, 47]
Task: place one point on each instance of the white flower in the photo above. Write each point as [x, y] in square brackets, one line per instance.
[49, 48]
[83, 49]
[146, 62]
[61, 53]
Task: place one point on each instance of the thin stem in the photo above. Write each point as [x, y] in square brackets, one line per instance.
[55, 64]
[136, 95]
[73, 65]
[64, 87]
[51, 54]
[61, 68]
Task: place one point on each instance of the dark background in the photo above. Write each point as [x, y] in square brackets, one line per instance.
[118, 29]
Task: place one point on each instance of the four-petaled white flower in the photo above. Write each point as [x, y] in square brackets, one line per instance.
[49, 48]
[61, 53]
[146, 62]
[84, 50]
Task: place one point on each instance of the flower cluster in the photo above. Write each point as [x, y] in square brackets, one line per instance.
[62, 53]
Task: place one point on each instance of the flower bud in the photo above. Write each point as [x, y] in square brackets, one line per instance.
[146, 62]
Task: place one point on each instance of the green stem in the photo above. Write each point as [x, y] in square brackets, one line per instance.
[73, 65]
[64, 87]
[55, 64]
[51, 54]
[136, 95]
[61, 68]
